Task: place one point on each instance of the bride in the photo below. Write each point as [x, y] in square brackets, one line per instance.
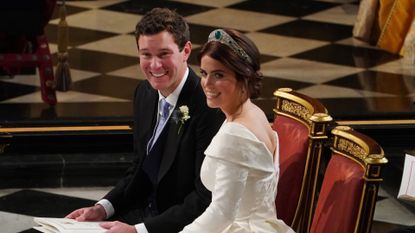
[241, 163]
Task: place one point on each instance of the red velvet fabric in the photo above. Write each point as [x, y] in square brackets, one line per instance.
[339, 199]
[22, 38]
[293, 141]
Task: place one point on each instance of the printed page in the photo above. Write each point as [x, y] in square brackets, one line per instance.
[65, 225]
[407, 189]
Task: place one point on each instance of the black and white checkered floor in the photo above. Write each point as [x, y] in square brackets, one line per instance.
[305, 45]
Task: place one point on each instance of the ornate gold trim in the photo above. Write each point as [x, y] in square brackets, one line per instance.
[296, 109]
[347, 143]
[377, 122]
[351, 148]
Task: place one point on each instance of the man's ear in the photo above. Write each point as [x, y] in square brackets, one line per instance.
[187, 49]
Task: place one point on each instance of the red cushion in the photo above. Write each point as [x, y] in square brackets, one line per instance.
[339, 198]
[293, 142]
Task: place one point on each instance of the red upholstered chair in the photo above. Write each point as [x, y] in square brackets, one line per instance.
[23, 42]
[346, 202]
[301, 123]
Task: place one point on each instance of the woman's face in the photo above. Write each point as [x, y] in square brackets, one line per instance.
[220, 85]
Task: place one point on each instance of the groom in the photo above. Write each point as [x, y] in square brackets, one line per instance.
[162, 191]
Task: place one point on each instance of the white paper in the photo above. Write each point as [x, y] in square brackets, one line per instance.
[407, 189]
[65, 225]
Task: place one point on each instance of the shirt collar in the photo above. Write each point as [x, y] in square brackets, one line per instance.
[174, 96]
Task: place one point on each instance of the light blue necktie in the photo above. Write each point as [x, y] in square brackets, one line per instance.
[164, 108]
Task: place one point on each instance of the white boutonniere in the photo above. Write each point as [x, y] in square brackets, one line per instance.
[180, 116]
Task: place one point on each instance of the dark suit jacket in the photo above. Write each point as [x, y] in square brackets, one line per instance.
[181, 197]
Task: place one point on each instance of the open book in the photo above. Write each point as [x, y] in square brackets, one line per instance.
[65, 225]
[407, 189]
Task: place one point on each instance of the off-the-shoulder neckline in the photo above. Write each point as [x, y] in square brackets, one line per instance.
[256, 138]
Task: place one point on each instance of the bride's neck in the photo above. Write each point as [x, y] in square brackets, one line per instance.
[237, 111]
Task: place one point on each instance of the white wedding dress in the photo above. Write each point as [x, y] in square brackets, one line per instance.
[240, 172]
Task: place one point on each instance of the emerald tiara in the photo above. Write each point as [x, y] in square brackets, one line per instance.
[222, 37]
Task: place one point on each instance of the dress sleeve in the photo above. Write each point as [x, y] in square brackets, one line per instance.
[230, 182]
[240, 148]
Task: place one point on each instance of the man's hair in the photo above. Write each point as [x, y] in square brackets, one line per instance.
[164, 19]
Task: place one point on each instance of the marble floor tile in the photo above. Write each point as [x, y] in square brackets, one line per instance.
[237, 19]
[327, 91]
[121, 44]
[306, 70]
[103, 20]
[282, 46]
[211, 3]
[344, 14]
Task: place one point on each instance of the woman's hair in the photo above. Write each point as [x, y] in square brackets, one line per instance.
[245, 63]
[164, 19]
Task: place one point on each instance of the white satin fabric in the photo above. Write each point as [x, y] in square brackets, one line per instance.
[240, 171]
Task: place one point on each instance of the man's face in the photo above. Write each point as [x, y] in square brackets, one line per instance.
[162, 62]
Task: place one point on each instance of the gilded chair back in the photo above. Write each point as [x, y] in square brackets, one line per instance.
[347, 198]
[301, 124]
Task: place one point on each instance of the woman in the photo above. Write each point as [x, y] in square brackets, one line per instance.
[241, 163]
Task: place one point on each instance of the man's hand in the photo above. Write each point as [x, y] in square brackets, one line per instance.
[93, 213]
[118, 227]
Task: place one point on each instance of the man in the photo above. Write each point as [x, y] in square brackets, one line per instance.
[162, 191]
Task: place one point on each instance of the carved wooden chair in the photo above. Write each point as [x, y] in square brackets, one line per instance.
[347, 199]
[301, 123]
[24, 44]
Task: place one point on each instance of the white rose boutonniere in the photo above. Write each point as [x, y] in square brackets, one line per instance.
[180, 116]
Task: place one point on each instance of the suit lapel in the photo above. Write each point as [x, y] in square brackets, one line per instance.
[147, 117]
[174, 135]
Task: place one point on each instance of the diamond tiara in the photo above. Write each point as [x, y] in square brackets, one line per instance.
[221, 36]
